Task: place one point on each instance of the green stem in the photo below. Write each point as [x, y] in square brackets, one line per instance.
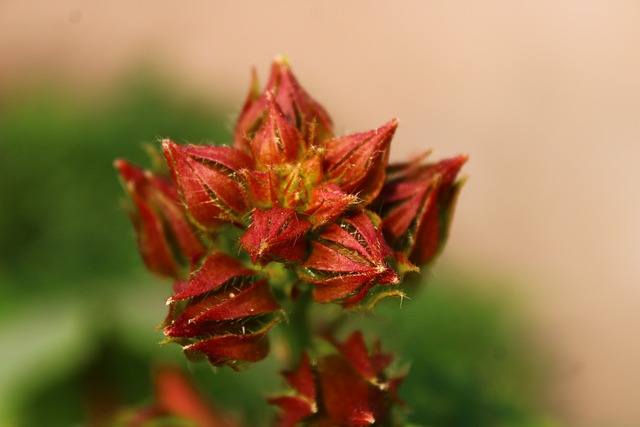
[299, 331]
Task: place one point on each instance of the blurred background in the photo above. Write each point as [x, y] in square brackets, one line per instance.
[530, 316]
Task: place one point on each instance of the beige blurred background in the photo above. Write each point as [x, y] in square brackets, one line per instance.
[544, 96]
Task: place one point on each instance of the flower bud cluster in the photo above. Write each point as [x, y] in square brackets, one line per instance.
[327, 208]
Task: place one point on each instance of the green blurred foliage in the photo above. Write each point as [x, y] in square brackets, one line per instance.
[61, 220]
[81, 312]
[470, 360]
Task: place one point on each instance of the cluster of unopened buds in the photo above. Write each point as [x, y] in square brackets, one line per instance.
[289, 208]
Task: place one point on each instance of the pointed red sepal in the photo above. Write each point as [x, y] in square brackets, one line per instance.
[276, 141]
[221, 157]
[166, 240]
[153, 243]
[417, 205]
[217, 269]
[347, 259]
[210, 188]
[327, 203]
[335, 255]
[357, 162]
[233, 348]
[328, 289]
[413, 196]
[276, 234]
[252, 300]
[354, 349]
[433, 230]
[300, 109]
[223, 305]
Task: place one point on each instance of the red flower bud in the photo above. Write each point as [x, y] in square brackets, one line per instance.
[230, 349]
[276, 141]
[197, 319]
[417, 204]
[208, 181]
[357, 162]
[346, 259]
[302, 111]
[276, 234]
[166, 240]
[215, 271]
[327, 203]
[222, 313]
[344, 389]
[299, 107]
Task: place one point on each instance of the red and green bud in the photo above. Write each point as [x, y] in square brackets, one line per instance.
[216, 270]
[301, 179]
[349, 388]
[276, 234]
[222, 313]
[357, 162]
[208, 180]
[166, 240]
[287, 170]
[347, 259]
[417, 205]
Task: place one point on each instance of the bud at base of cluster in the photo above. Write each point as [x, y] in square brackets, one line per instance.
[222, 313]
[347, 259]
[348, 388]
